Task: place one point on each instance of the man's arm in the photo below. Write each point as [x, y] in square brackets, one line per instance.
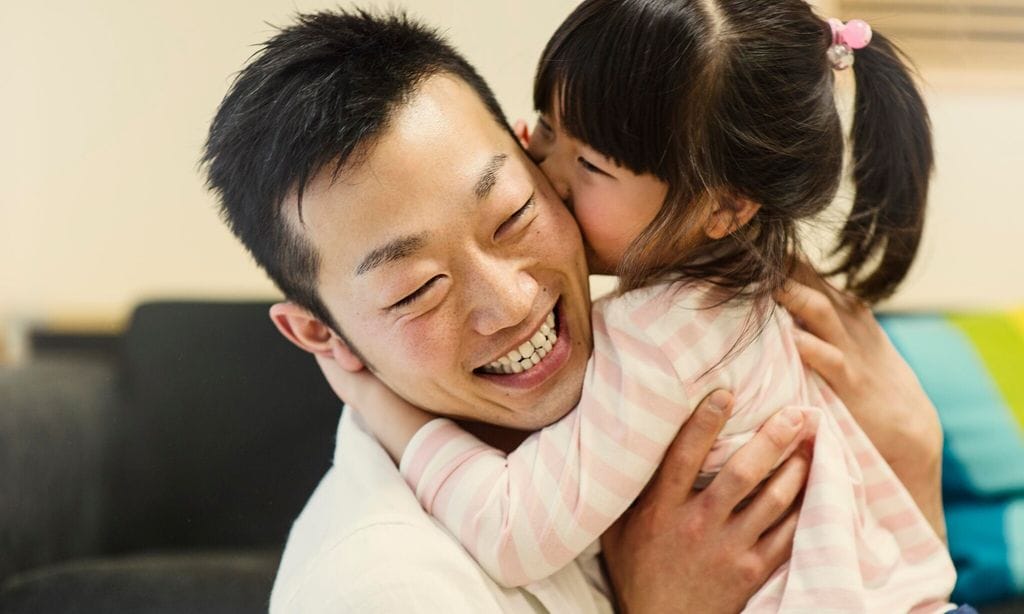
[844, 343]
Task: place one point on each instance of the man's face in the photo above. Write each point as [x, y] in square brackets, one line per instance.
[443, 253]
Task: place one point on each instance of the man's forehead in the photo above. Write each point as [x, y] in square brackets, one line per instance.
[442, 153]
[443, 128]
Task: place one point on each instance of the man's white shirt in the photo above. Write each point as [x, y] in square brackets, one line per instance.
[364, 544]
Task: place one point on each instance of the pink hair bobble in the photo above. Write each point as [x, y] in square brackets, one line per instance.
[854, 34]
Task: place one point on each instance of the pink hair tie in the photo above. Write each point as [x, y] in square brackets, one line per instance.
[854, 34]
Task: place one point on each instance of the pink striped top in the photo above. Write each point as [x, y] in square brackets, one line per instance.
[861, 543]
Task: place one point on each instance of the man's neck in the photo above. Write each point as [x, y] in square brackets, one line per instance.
[504, 439]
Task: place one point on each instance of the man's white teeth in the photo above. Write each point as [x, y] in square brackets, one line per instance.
[530, 353]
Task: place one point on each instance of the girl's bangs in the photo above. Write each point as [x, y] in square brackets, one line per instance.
[594, 77]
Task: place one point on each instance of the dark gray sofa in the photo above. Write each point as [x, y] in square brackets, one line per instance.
[164, 476]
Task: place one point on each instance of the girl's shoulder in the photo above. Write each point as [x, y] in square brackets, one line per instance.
[672, 304]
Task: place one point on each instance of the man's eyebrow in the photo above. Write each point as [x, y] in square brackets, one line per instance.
[393, 250]
[489, 176]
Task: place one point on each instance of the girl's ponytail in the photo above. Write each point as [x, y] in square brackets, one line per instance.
[892, 164]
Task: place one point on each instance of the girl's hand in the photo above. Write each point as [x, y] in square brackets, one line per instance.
[844, 343]
[681, 550]
[355, 388]
[392, 419]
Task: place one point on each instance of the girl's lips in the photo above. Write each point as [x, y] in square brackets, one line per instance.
[551, 364]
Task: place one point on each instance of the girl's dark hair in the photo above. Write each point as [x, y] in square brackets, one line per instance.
[734, 99]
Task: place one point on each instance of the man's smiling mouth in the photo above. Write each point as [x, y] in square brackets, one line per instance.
[529, 353]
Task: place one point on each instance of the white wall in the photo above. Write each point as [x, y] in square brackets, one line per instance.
[105, 106]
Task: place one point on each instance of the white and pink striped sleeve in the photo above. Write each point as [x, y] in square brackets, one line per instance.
[525, 515]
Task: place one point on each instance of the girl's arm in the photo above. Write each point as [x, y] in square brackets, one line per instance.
[527, 514]
[393, 420]
[847, 347]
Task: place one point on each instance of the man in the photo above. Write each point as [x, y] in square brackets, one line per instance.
[370, 171]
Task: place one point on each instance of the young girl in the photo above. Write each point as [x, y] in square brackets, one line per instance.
[690, 137]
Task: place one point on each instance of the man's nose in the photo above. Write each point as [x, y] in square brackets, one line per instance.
[504, 296]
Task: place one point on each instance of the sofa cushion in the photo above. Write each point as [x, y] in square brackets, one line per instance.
[225, 430]
[54, 444]
[972, 367]
[227, 583]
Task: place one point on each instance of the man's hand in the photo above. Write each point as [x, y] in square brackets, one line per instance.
[681, 550]
[844, 343]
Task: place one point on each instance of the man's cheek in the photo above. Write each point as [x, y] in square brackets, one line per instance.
[424, 343]
[570, 242]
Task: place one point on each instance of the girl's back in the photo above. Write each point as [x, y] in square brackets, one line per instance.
[861, 543]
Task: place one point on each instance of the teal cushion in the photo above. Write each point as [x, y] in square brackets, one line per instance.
[972, 367]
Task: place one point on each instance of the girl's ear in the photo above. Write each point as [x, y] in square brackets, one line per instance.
[522, 132]
[728, 215]
[310, 334]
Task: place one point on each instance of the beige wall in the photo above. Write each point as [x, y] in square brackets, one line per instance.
[105, 106]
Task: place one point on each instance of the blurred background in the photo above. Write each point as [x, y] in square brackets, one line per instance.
[106, 104]
[159, 470]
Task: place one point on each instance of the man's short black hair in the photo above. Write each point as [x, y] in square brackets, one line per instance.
[314, 94]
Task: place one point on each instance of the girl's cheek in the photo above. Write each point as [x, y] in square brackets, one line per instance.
[590, 222]
[536, 151]
[539, 147]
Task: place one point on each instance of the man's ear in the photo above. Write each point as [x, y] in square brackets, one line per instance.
[310, 334]
[522, 132]
[728, 215]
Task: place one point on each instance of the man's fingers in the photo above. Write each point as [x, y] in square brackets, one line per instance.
[807, 275]
[802, 272]
[752, 463]
[675, 477]
[815, 310]
[776, 546]
[776, 497]
[825, 358]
